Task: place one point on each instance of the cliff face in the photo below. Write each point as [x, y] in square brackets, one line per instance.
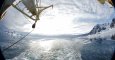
[112, 25]
[105, 30]
[113, 37]
[98, 28]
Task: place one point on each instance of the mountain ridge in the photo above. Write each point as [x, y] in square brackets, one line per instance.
[105, 30]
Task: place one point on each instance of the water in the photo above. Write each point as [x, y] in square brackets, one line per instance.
[51, 49]
[81, 16]
[64, 49]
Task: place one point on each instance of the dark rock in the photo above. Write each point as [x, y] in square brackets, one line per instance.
[112, 23]
[113, 37]
[98, 28]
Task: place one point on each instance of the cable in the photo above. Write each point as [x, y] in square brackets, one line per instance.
[27, 19]
[25, 16]
[17, 41]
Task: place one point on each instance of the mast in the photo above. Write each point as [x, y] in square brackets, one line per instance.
[34, 7]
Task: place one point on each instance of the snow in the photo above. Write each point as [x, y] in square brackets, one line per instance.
[104, 34]
[63, 18]
[56, 34]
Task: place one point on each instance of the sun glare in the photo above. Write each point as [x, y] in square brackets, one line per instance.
[45, 45]
[53, 23]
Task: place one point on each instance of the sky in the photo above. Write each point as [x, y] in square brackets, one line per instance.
[67, 17]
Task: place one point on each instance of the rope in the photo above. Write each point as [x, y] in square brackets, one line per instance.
[17, 41]
[27, 19]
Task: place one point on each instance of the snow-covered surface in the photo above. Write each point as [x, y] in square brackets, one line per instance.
[104, 34]
[55, 36]
[66, 17]
[106, 30]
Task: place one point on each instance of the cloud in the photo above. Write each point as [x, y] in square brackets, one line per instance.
[64, 18]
